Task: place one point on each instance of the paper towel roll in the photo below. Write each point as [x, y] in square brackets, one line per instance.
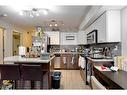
[22, 51]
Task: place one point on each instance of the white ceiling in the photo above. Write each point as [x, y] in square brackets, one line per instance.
[71, 16]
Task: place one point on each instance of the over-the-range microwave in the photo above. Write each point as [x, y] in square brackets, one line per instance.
[92, 37]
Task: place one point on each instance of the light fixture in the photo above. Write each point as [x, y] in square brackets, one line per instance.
[56, 23]
[3, 15]
[50, 25]
[34, 12]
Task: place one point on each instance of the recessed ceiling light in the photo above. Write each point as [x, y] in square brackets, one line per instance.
[56, 25]
[3, 15]
[50, 25]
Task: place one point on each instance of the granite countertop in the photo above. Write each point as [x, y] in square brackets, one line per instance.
[99, 60]
[67, 53]
[13, 59]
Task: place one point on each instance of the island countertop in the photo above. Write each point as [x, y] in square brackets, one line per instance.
[13, 59]
[100, 60]
[67, 53]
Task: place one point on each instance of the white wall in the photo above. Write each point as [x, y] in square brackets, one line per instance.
[8, 36]
[124, 31]
[63, 40]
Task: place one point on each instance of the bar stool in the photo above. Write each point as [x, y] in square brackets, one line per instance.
[10, 72]
[32, 73]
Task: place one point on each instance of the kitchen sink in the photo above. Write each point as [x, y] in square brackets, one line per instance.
[45, 56]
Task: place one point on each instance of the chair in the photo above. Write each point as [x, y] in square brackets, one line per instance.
[96, 84]
[10, 72]
[32, 73]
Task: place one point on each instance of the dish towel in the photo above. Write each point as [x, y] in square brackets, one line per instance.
[64, 60]
[72, 60]
[81, 62]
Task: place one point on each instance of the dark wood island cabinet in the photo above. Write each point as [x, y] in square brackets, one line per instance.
[66, 61]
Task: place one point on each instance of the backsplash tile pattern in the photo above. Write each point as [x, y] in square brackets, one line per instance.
[111, 45]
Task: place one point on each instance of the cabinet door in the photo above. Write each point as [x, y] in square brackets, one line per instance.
[70, 61]
[54, 37]
[57, 62]
[63, 61]
[75, 65]
[100, 25]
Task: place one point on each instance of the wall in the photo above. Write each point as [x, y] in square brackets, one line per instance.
[1, 45]
[63, 40]
[27, 39]
[124, 31]
[112, 45]
[8, 36]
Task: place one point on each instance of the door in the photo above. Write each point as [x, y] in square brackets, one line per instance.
[16, 43]
[1, 45]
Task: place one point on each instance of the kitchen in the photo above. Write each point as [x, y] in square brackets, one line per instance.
[71, 45]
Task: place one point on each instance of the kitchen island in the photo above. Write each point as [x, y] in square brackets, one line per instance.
[47, 65]
[66, 60]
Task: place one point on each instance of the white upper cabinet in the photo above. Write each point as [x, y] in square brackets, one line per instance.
[108, 27]
[100, 25]
[81, 37]
[113, 26]
[54, 37]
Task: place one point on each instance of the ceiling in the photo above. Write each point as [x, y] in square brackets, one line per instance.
[71, 16]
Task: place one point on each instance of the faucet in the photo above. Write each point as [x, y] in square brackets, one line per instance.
[107, 52]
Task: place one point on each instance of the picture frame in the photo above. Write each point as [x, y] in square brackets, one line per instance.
[70, 37]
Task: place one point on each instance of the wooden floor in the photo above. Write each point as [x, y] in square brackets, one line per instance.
[71, 79]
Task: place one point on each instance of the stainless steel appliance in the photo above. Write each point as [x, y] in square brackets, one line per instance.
[92, 37]
[97, 53]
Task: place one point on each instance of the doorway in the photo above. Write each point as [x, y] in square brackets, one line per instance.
[1, 45]
[16, 43]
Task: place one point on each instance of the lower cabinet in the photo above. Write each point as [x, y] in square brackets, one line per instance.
[57, 61]
[69, 61]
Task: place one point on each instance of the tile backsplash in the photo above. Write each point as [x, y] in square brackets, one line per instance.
[115, 47]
